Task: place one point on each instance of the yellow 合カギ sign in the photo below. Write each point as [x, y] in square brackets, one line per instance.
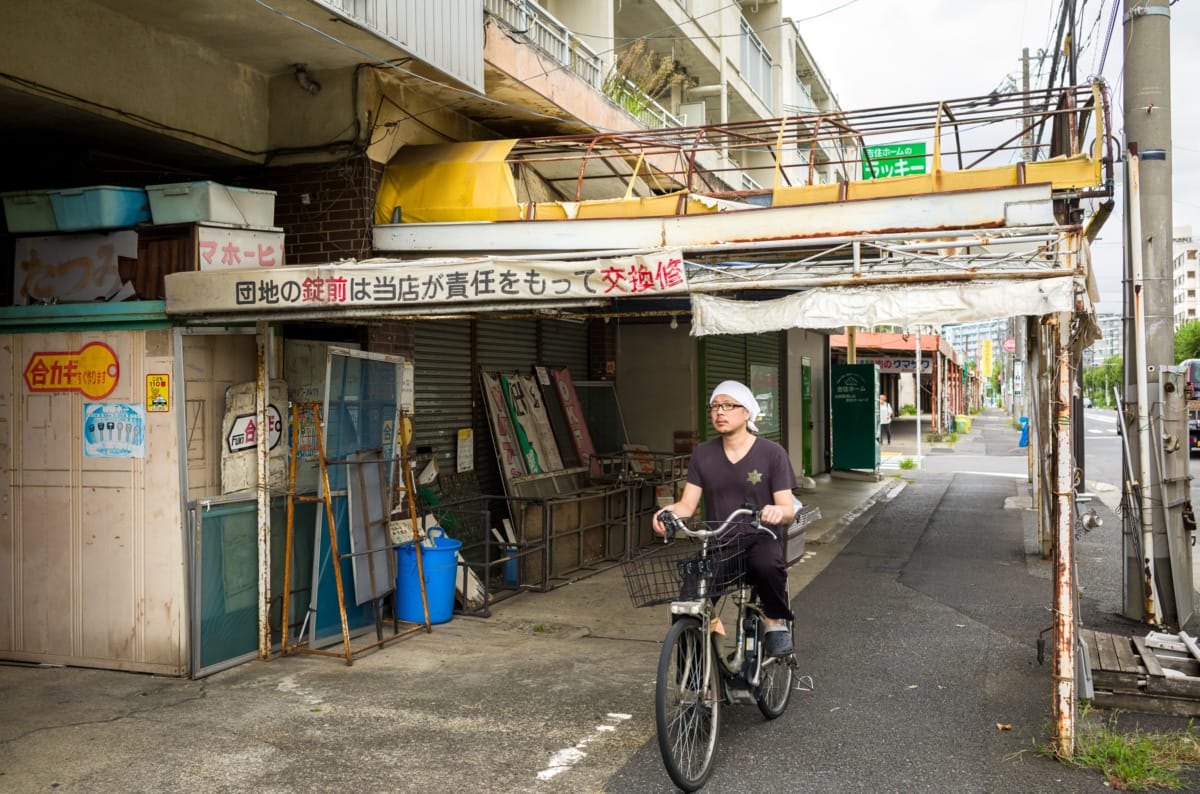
[93, 371]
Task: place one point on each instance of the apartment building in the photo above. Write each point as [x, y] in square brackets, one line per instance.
[1185, 264]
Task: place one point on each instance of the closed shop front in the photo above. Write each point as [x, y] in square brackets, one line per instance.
[755, 360]
[92, 558]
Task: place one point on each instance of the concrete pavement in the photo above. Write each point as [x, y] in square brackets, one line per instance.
[918, 604]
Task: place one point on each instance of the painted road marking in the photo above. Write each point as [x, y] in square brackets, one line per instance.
[566, 758]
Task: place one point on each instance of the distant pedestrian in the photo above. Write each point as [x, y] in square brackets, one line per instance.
[885, 418]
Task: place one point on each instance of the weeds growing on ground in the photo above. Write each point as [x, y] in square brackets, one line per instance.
[907, 463]
[1133, 760]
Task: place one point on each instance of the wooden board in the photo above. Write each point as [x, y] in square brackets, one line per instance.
[558, 419]
[543, 440]
[508, 452]
[580, 436]
[522, 424]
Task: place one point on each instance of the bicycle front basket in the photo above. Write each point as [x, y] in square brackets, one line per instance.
[675, 571]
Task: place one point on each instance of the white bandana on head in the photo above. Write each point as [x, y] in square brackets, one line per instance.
[742, 395]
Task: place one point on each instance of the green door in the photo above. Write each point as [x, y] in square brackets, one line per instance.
[854, 400]
[806, 416]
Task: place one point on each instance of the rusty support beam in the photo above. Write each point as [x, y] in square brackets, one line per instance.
[1064, 582]
[263, 451]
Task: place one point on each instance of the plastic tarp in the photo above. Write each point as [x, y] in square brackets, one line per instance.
[449, 182]
[900, 305]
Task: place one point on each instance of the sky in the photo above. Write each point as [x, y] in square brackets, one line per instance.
[880, 52]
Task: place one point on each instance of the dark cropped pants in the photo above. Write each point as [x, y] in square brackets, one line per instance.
[767, 572]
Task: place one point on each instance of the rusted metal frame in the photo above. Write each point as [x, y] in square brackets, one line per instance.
[583, 163]
[291, 524]
[1072, 124]
[334, 556]
[969, 110]
[1064, 552]
[369, 552]
[691, 158]
[870, 280]
[410, 490]
[957, 135]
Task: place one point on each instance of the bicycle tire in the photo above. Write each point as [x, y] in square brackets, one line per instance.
[687, 704]
[774, 690]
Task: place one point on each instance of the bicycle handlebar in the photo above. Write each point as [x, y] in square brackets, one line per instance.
[674, 524]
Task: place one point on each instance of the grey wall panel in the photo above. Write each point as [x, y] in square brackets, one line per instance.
[446, 34]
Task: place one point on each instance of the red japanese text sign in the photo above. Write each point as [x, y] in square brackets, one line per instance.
[92, 371]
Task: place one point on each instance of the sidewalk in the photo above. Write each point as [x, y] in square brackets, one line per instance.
[918, 607]
[505, 702]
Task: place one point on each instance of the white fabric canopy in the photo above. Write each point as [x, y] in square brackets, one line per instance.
[900, 305]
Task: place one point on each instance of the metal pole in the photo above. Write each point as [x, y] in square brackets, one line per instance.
[1150, 604]
[918, 393]
[263, 451]
[1064, 585]
[1147, 118]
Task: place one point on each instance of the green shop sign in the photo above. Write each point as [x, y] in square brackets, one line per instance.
[894, 159]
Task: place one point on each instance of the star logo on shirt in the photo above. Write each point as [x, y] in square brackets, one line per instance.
[754, 477]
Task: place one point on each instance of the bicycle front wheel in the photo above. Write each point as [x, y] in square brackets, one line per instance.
[687, 704]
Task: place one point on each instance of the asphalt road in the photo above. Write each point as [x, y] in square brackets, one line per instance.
[920, 637]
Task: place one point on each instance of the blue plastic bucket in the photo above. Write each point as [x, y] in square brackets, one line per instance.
[440, 563]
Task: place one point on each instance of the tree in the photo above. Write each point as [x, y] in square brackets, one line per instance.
[1098, 382]
[1187, 341]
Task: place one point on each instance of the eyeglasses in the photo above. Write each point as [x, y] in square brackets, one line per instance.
[726, 407]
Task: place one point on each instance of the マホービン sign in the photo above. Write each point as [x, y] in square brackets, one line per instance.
[92, 371]
[403, 285]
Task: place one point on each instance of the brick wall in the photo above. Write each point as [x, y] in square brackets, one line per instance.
[394, 337]
[325, 210]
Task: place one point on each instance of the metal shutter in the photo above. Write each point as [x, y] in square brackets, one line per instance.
[506, 345]
[722, 357]
[442, 353]
[500, 345]
[764, 349]
[565, 344]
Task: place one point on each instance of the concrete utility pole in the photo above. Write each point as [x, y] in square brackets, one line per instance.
[1148, 139]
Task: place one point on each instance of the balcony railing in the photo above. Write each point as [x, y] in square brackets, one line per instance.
[549, 35]
[629, 96]
[756, 63]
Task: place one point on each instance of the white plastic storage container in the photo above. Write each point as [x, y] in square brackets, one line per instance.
[195, 202]
[29, 211]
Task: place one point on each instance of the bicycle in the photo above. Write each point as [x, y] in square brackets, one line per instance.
[695, 674]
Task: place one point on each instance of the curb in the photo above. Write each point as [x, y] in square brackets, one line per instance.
[838, 528]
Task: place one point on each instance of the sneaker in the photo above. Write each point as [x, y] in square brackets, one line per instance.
[777, 643]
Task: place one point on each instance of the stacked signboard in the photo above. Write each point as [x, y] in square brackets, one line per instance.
[545, 454]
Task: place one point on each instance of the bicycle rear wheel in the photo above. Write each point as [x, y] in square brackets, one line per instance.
[687, 704]
[774, 685]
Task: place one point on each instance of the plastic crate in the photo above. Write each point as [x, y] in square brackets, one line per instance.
[29, 211]
[196, 202]
[99, 207]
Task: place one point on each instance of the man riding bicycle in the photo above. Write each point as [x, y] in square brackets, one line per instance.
[738, 469]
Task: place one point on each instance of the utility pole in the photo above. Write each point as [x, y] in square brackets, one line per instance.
[1149, 318]
[1027, 136]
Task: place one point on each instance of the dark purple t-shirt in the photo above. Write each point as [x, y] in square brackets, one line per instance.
[755, 478]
